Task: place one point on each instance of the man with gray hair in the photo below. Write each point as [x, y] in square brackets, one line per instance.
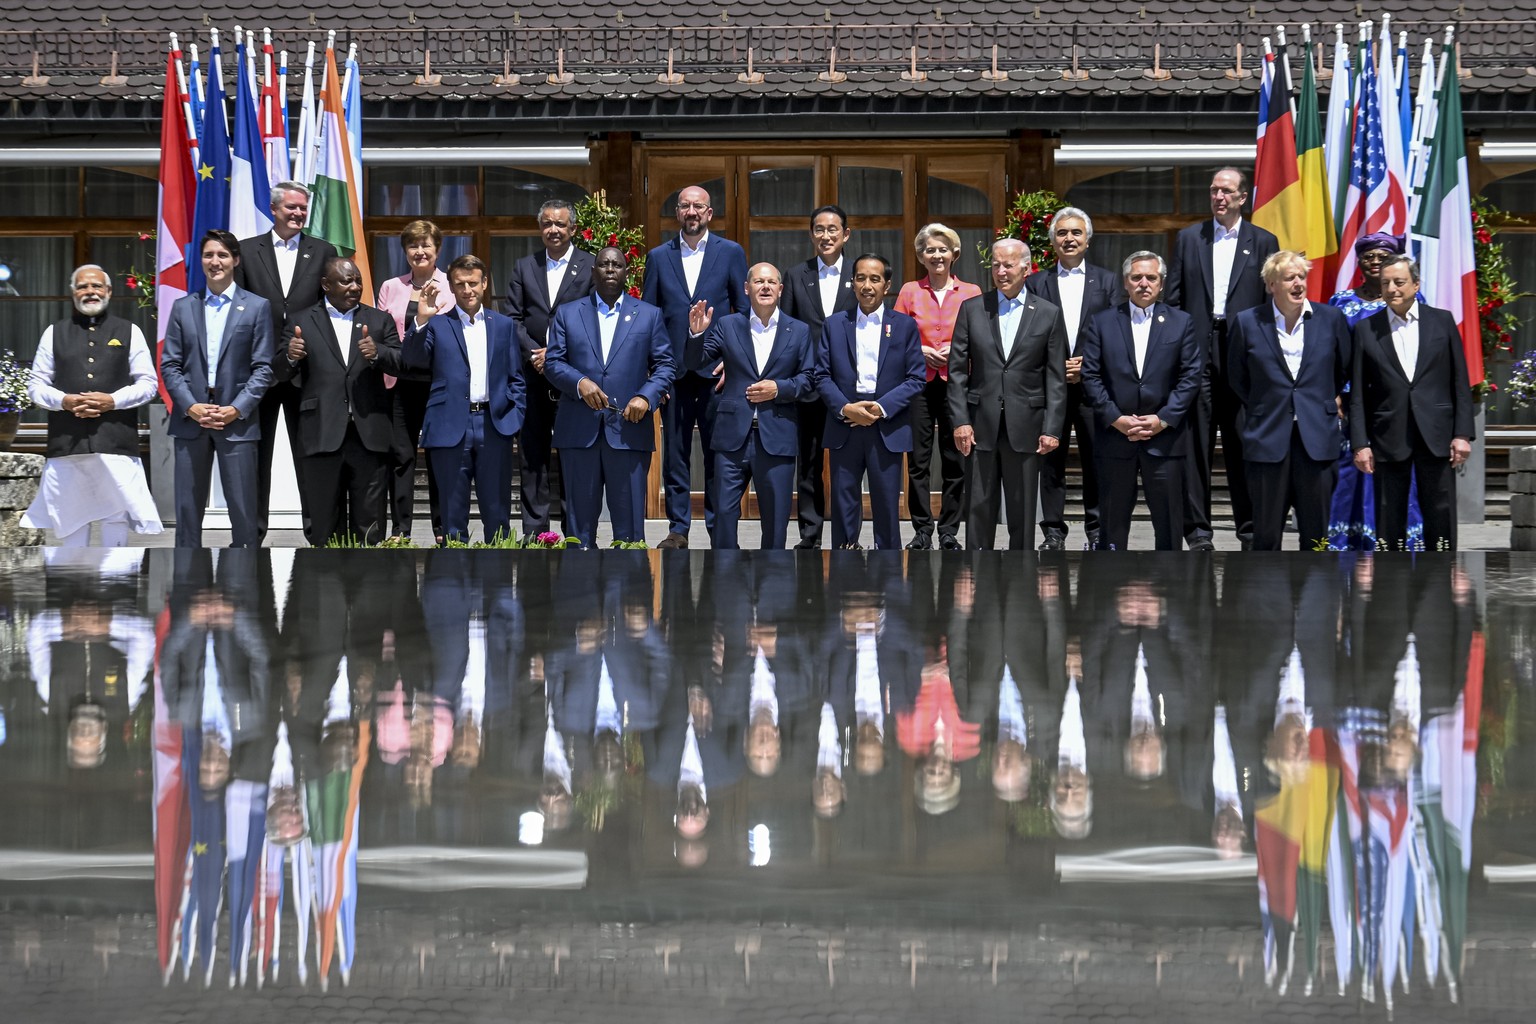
[283, 266]
[92, 371]
[1141, 372]
[1080, 290]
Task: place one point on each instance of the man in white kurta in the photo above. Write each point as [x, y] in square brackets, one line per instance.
[92, 371]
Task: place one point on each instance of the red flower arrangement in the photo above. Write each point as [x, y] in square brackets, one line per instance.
[1496, 289]
[602, 227]
[1029, 220]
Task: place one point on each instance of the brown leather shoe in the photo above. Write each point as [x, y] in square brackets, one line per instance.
[673, 541]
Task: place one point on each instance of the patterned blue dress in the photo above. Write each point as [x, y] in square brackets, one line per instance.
[1352, 518]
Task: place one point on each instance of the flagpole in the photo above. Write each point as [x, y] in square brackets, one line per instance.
[1285, 64]
[216, 67]
[184, 98]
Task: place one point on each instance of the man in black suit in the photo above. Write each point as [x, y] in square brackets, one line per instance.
[336, 355]
[1410, 409]
[1288, 363]
[1007, 396]
[1141, 372]
[813, 291]
[284, 267]
[540, 283]
[1215, 276]
[1079, 289]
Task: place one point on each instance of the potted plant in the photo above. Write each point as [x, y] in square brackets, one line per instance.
[14, 378]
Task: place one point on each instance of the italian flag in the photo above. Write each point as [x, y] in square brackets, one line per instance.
[1443, 229]
[337, 208]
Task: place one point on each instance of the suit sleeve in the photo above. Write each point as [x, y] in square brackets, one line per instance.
[1191, 370]
[1173, 291]
[517, 310]
[560, 374]
[703, 348]
[1463, 424]
[650, 286]
[416, 348]
[1092, 349]
[1238, 377]
[960, 369]
[1358, 436]
[663, 365]
[173, 371]
[826, 387]
[282, 368]
[517, 390]
[387, 341]
[792, 389]
[1344, 354]
[1055, 422]
[737, 271]
[263, 347]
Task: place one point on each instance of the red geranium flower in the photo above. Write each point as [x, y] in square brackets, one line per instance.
[613, 239]
[131, 282]
[586, 233]
[634, 292]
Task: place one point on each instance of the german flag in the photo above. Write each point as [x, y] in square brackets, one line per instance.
[1278, 204]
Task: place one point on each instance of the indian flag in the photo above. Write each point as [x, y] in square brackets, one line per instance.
[1443, 229]
[337, 208]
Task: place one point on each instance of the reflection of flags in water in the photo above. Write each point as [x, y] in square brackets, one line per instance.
[245, 831]
[1290, 838]
[171, 823]
[1450, 791]
[333, 807]
[204, 898]
[1386, 853]
[269, 895]
[1341, 869]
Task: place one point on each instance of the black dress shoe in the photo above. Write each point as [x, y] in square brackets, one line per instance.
[808, 545]
[1093, 540]
[949, 542]
[1202, 544]
[1055, 542]
[673, 542]
[921, 542]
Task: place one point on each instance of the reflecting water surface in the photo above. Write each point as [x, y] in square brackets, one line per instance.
[396, 785]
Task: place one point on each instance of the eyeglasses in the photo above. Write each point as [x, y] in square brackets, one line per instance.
[1217, 190]
[693, 206]
[1376, 256]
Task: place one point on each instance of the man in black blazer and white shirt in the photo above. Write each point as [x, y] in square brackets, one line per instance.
[813, 291]
[1079, 289]
[336, 354]
[283, 266]
[1410, 409]
[1214, 275]
[540, 283]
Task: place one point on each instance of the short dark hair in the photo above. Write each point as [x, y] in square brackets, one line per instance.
[225, 238]
[1242, 176]
[1403, 260]
[469, 262]
[332, 261]
[885, 264]
[422, 231]
[842, 214]
[556, 204]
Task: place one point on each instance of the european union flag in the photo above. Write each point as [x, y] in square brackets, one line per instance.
[213, 170]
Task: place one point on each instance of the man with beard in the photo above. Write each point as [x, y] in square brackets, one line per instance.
[92, 371]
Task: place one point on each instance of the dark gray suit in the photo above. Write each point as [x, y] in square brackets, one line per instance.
[244, 373]
[1009, 402]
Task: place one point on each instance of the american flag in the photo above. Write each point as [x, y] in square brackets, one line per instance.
[1377, 200]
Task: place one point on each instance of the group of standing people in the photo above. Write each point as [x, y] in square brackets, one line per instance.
[771, 369]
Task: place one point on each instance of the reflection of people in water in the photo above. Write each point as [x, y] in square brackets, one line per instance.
[1071, 800]
[827, 790]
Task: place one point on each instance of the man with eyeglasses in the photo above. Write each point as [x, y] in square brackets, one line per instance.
[1214, 276]
[820, 287]
[696, 268]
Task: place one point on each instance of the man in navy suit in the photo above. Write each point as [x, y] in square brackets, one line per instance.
[769, 360]
[869, 365]
[607, 349]
[216, 365]
[1007, 397]
[476, 404]
[694, 267]
[1288, 362]
[1141, 372]
[813, 291]
[1410, 409]
[540, 283]
[1079, 289]
[1215, 276]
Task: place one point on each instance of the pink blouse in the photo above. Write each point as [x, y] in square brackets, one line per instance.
[935, 319]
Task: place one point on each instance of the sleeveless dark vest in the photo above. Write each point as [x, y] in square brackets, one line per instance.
[91, 356]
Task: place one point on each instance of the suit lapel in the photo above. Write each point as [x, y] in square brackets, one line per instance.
[458, 333]
[1129, 337]
[1421, 364]
[1208, 259]
[620, 330]
[774, 350]
[1240, 254]
[1025, 311]
[1383, 338]
[571, 272]
[237, 303]
[1271, 332]
[541, 273]
[268, 259]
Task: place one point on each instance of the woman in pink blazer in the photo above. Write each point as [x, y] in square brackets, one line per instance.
[399, 297]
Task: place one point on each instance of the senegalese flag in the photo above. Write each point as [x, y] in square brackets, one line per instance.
[1320, 238]
[1277, 194]
[1290, 838]
[337, 214]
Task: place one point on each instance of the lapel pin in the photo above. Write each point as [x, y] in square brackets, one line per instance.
[1245, 252]
[887, 330]
[1159, 319]
[626, 319]
[240, 309]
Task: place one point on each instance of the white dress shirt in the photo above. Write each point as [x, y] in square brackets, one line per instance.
[1405, 338]
[762, 338]
[287, 254]
[765, 694]
[1012, 724]
[141, 368]
[1071, 283]
[341, 327]
[1141, 333]
[866, 348]
[829, 742]
[829, 277]
[1292, 343]
[476, 345]
[868, 702]
[554, 272]
[693, 260]
[1222, 253]
[1009, 313]
[607, 323]
[607, 718]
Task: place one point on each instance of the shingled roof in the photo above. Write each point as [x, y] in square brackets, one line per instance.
[531, 62]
